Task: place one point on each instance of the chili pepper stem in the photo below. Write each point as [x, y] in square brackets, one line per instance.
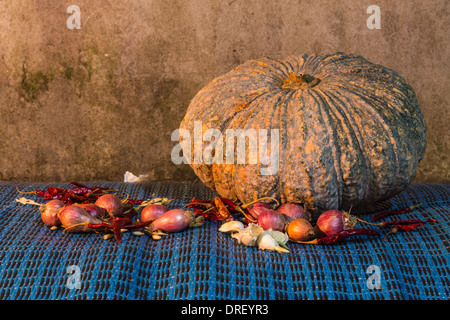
[126, 199]
[244, 206]
[25, 192]
[205, 211]
[394, 230]
[364, 221]
[314, 241]
[249, 218]
[415, 206]
[101, 192]
[76, 225]
[205, 204]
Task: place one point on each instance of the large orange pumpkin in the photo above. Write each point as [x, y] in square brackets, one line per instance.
[351, 132]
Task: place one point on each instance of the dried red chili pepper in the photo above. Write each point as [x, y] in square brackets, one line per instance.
[403, 222]
[405, 228]
[129, 212]
[341, 236]
[80, 185]
[230, 204]
[205, 208]
[235, 208]
[134, 201]
[41, 193]
[394, 212]
[54, 191]
[222, 210]
[80, 194]
[115, 224]
[137, 225]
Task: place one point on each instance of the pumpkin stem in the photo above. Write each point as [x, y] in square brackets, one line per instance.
[299, 81]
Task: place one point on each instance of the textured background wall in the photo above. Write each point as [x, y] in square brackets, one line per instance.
[92, 103]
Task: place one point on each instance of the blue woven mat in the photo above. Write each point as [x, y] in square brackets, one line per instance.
[202, 263]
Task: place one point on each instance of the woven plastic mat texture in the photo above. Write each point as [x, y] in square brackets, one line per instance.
[202, 263]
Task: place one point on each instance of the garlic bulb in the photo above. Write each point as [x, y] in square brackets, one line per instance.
[231, 226]
[248, 235]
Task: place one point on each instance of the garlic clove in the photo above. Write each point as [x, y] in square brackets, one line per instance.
[281, 249]
[237, 236]
[231, 226]
[266, 241]
[248, 239]
[255, 229]
[280, 237]
[245, 237]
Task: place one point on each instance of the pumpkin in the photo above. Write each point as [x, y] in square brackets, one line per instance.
[350, 132]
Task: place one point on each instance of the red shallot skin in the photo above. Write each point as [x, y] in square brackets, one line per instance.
[111, 203]
[152, 212]
[294, 211]
[271, 219]
[72, 215]
[257, 208]
[49, 212]
[174, 220]
[93, 209]
[332, 222]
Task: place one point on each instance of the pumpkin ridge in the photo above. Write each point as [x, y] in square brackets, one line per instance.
[335, 146]
[376, 104]
[340, 63]
[294, 63]
[271, 182]
[274, 69]
[326, 146]
[296, 179]
[240, 121]
[283, 142]
[311, 199]
[370, 107]
[355, 144]
[282, 67]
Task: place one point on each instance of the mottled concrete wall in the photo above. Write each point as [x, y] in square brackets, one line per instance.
[92, 103]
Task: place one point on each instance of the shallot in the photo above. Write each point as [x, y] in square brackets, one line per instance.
[111, 203]
[332, 222]
[76, 219]
[293, 211]
[175, 220]
[49, 212]
[93, 209]
[301, 230]
[152, 212]
[257, 208]
[271, 219]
